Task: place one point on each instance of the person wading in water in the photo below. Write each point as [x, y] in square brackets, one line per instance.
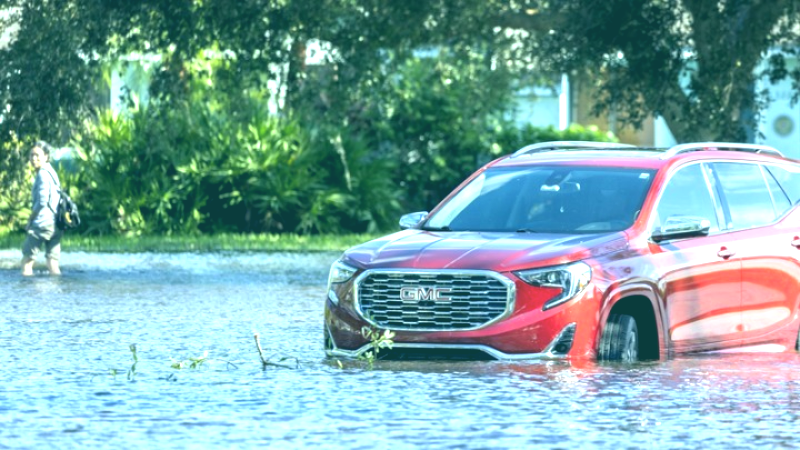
[41, 228]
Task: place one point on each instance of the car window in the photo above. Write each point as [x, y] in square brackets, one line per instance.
[789, 179]
[547, 199]
[779, 197]
[745, 191]
[687, 194]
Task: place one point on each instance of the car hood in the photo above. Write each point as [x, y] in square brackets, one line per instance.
[416, 249]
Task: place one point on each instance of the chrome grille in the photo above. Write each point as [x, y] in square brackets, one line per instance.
[470, 299]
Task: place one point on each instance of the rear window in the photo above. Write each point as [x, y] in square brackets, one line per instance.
[779, 197]
[789, 180]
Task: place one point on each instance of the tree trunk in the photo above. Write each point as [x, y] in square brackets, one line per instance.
[296, 73]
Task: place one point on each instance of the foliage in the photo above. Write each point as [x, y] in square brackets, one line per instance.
[218, 161]
[219, 167]
[197, 167]
[194, 363]
[358, 191]
[135, 357]
[191, 363]
[512, 139]
[423, 123]
[52, 57]
[15, 184]
[258, 41]
[439, 120]
[377, 341]
[127, 176]
[408, 99]
[693, 62]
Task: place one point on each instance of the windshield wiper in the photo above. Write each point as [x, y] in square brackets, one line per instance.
[527, 230]
[443, 228]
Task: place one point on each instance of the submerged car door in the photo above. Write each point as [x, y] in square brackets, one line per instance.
[699, 277]
[755, 204]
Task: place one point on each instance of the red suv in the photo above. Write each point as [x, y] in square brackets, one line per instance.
[586, 250]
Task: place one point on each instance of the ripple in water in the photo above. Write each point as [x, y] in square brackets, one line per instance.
[66, 363]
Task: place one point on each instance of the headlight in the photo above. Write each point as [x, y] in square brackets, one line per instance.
[570, 278]
[340, 272]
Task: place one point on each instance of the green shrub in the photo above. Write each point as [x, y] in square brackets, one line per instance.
[16, 181]
[259, 174]
[128, 178]
[433, 121]
[439, 120]
[212, 166]
[357, 193]
[511, 139]
[200, 166]
[216, 160]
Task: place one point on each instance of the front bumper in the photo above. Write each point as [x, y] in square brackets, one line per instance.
[557, 349]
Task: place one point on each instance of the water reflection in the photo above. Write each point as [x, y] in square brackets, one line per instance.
[61, 340]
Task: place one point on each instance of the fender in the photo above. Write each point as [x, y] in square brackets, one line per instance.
[647, 291]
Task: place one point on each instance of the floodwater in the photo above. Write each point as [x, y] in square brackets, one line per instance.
[68, 379]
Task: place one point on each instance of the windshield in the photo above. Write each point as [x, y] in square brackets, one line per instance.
[556, 199]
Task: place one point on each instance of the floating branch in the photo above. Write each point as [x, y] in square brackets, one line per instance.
[266, 362]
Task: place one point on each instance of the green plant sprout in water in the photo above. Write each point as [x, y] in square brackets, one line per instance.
[195, 363]
[377, 341]
[192, 363]
[178, 364]
[132, 370]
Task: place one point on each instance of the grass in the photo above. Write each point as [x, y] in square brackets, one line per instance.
[201, 243]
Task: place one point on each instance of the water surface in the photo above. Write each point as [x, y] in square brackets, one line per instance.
[65, 365]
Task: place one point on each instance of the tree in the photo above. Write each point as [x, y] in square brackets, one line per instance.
[49, 65]
[693, 62]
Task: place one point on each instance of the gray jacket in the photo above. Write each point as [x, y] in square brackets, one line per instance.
[45, 197]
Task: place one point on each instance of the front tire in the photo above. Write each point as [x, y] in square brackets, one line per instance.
[797, 345]
[620, 340]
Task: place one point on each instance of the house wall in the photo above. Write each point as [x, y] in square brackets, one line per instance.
[537, 106]
[582, 102]
[779, 126]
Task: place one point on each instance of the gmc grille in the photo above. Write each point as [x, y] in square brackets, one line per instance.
[435, 300]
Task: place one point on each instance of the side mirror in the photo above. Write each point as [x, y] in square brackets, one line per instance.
[412, 220]
[681, 227]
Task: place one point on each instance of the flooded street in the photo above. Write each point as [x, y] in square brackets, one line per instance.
[68, 377]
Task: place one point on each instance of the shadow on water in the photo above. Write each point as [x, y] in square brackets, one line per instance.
[66, 382]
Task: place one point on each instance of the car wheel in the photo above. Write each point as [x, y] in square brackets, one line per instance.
[620, 340]
[327, 342]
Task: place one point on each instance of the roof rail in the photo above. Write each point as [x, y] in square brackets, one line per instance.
[557, 145]
[699, 146]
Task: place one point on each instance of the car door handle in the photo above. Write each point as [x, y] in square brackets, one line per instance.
[796, 242]
[725, 253]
